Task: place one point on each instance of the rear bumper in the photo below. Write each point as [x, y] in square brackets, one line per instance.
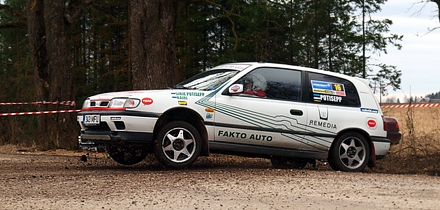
[381, 147]
[394, 137]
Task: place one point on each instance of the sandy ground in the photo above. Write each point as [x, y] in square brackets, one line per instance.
[54, 181]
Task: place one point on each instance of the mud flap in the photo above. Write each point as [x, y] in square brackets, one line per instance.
[372, 159]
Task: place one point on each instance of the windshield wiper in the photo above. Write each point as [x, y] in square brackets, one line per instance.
[179, 87]
[183, 87]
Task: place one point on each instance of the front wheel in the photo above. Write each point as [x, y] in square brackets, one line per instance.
[350, 153]
[178, 145]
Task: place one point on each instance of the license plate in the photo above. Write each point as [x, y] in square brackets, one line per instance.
[94, 119]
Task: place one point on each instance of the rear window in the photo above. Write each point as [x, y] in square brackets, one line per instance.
[325, 89]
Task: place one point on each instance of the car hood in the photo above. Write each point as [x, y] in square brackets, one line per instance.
[122, 94]
[147, 93]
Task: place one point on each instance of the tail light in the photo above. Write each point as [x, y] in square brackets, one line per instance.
[385, 124]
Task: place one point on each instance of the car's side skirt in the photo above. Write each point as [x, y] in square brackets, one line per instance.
[263, 151]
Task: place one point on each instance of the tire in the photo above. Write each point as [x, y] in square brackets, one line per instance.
[350, 152]
[127, 154]
[178, 145]
[288, 162]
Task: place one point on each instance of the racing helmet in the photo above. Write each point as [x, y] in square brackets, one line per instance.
[257, 80]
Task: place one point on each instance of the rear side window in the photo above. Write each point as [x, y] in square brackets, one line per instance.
[325, 89]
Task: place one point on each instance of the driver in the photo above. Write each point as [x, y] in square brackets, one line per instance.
[255, 84]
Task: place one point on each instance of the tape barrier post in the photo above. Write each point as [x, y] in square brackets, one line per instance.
[67, 103]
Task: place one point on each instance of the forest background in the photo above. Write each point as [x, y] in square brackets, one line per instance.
[68, 50]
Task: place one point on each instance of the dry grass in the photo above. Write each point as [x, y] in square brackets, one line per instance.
[419, 149]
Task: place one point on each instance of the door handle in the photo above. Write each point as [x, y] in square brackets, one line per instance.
[296, 112]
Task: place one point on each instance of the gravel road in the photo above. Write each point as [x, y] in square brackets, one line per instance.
[53, 181]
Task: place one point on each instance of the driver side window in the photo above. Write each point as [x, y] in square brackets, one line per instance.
[254, 84]
[273, 83]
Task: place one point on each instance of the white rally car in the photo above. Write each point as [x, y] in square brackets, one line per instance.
[292, 115]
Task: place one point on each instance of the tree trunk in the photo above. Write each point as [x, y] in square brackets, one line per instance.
[49, 35]
[152, 43]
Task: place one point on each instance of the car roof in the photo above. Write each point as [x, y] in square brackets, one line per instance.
[240, 66]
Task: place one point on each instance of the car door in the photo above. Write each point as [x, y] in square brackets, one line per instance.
[276, 118]
[333, 105]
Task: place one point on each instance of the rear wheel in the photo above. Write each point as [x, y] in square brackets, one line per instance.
[350, 153]
[178, 145]
[127, 154]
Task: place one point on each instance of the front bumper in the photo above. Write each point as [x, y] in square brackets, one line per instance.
[98, 142]
[116, 137]
[90, 146]
[126, 127]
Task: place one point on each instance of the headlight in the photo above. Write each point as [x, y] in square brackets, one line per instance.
[124, 103]
[117, 103]
[131, 103]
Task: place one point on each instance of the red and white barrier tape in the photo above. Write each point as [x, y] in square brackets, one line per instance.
[67, 103]
[42, 112]
[72, 103]
[410, 105]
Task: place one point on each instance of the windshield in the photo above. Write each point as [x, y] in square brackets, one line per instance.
[208, 80]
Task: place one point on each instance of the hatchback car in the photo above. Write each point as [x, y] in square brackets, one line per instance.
[289, 114]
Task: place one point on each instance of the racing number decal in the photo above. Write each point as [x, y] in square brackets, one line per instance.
[327, 91]
[338, 87]
[329, 88]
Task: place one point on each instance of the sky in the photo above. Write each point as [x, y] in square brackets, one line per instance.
[419, 58]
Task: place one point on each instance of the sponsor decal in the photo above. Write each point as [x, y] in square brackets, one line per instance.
[242, 135]
[182, 102]
[317, 97]
[209, 109]
[319, 123]
[369, 110]
[371, 123]
[185, 95]
[115, 118]
[147, 101]
[198, 94]
[235, 88]
[327, 98]
[328, 88]
[179, 95]
[209, 115]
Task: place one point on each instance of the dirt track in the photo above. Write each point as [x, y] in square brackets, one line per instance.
[35, 181]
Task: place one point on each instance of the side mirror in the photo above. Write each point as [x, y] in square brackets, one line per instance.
[236, 88]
